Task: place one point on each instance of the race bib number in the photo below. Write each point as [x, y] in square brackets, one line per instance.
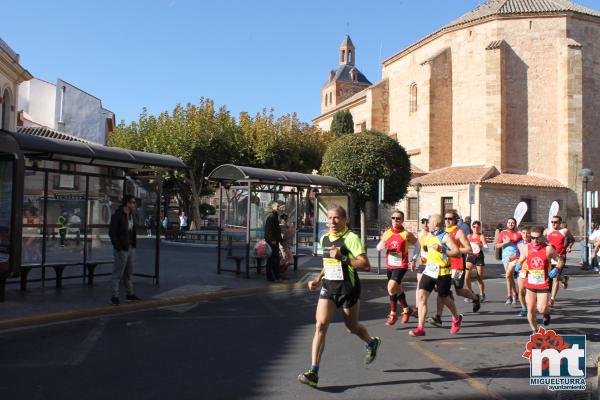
[333, 269]
[475, 248]
[523, 274]
[432, 270]
[394, 260]
[457, 274]
[536, 277]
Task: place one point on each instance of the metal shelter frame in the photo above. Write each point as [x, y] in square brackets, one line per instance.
[248, 178]
[25, 152]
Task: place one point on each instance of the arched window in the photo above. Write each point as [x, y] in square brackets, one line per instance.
[326, 98]
[349, 56]
[413, 98]
[342, 56]
[6, 113]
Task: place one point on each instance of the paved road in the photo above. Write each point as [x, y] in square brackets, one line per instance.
[254, 347]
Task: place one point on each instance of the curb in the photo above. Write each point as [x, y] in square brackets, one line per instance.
[142, 305]
[150, 304]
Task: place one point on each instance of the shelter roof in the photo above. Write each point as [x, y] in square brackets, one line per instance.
[72, 150]
[236, 173]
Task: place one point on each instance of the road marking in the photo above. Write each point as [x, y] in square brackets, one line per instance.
[474, 383]
[88, 343]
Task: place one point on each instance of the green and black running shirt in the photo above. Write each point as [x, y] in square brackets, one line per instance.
[341, 278]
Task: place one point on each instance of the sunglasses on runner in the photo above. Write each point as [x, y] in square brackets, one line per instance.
[556, 222]
[535, 238]
[397, 218]
[449, 218]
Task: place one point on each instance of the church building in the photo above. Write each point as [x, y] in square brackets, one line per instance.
[502, 105]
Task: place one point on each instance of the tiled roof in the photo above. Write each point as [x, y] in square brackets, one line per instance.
[50, 133]
[455, 175]
[511, 7]
[484, 176]
[416, 171]
[524, 180]
[347, 42]
[342, 74]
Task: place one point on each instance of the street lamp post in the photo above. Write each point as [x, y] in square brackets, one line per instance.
[586, 176]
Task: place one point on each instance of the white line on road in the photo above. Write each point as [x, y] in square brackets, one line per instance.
[88, 343]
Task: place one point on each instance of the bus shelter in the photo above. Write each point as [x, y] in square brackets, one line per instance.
[56, 200]
[246, 196]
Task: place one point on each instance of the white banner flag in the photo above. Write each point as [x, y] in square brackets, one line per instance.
[552, 213]
[520, 212]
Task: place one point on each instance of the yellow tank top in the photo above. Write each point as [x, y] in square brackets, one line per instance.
[436, 257]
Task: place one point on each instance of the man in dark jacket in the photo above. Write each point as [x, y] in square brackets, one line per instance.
[273, 238]
[123, 238]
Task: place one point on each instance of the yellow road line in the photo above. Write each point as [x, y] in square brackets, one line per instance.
[143, 305]
[474, 383]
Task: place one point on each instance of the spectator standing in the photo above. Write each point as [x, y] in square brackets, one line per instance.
[183, 223]
[123, 238]
[63, 226]
[273, 239]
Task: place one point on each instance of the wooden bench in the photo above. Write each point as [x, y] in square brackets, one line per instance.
[238, 263]
[90, 267]
[58, 267]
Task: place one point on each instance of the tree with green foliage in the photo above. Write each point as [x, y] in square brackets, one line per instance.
[342, 123]
[360, 160]
[205, 137]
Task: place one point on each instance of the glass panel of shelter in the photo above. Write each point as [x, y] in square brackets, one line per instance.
[33, 217]
[6, 192]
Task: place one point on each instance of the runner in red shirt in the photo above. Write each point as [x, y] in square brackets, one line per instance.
[395, 241]
[522, 274]
[539, 274]
[562, 240]
[476, 258]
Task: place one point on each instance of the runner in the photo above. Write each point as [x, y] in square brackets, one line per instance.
[562, 240]
[522, 273]
[458, 268]
[539, 274]
[419, 260]
[343, 255]
[395, 240]
[440, 246]
[507, 241]
[476, 258]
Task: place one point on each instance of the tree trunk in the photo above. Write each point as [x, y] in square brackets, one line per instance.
[195, 203]
[363, 227]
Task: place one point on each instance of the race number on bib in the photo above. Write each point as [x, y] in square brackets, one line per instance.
[536, 277]
[333, 269]
[457, 274]
[432, 270]
[475, 248]
[394, 260]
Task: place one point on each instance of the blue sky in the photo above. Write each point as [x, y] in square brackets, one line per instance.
[245, 55]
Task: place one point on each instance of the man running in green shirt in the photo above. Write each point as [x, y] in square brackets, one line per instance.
[343, 254]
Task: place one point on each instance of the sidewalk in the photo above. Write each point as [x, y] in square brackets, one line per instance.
[188, 274]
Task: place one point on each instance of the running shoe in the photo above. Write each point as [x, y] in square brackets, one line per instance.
[414, 311]
[418, 331]
[565, 281]
[435, 321]
[391, 319]
[310, 378]
[546, 319]
[508, 301]
[372, 350]
[477, 303]
[456, 322]
[467, 300]
[483, 298]
[522, 312]
[551, 302]
[405, 317]
[514, 301]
